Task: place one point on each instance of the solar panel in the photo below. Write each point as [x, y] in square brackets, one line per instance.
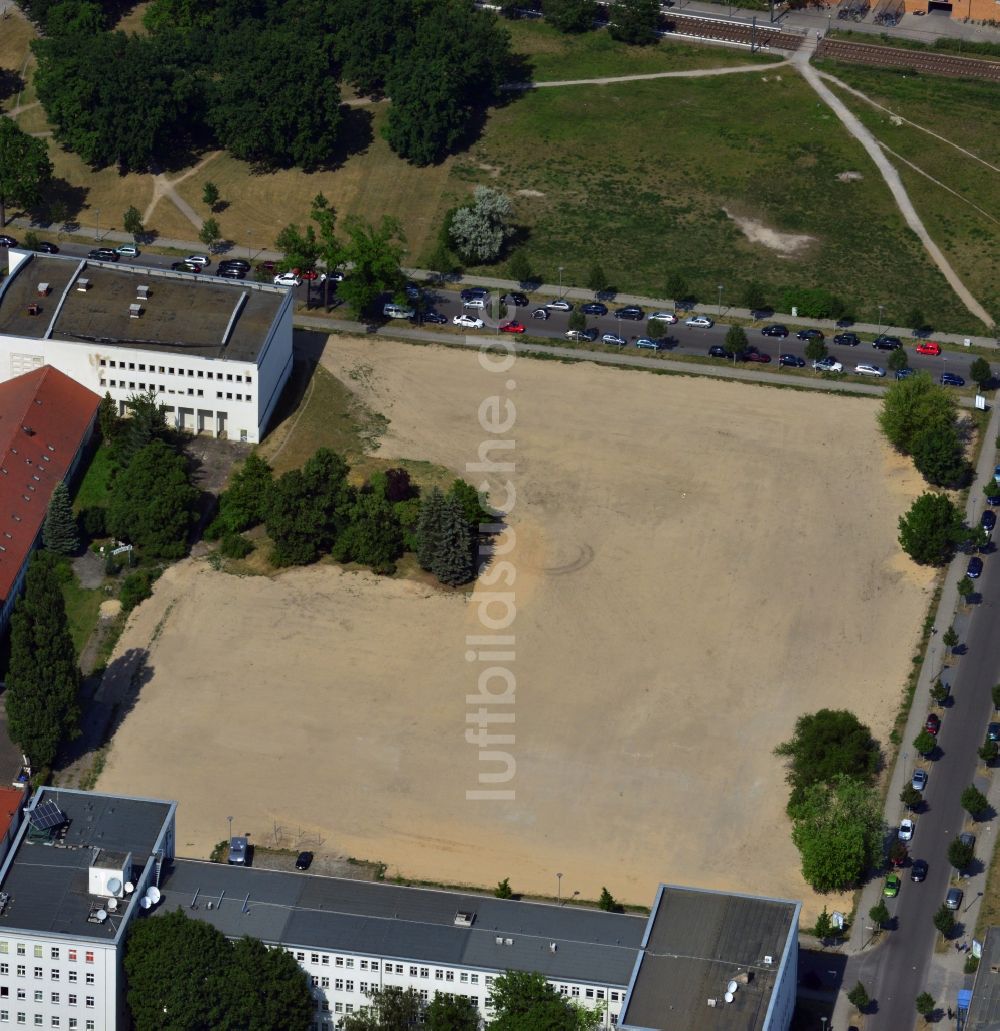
[46, 816]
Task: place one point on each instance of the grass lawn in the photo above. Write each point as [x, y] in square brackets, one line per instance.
[554, 55]
[82, 609]
[93, 489]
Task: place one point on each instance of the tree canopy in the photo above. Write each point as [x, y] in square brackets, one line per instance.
[913, 405]
[25, 169]
[527, 1002]
[375, 254]
[480, 230]
[570, 15]
[931, 528]
[636, 22]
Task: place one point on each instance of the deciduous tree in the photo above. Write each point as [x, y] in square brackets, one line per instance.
[375, 254]
[912, 405]
[960, 853]
[939, 455]
[974, 802]
[480, 230]
[815, 349]
[636, 22]
[981, 373]
[132, 222]
[525, 1001]
[931, 528]
[858, 997]
[570, 15]
[210, 234]
[210, 195]
[879, 913]
[944, 921]
[244, 502]
[736, 341]
[925, 742]
[59, 532]
[373, 536]
[25, 169]
[447, 1012]
[389, 1009]
[502, 890]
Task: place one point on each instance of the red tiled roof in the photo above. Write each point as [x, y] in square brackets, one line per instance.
[11, 799]
[44, 416]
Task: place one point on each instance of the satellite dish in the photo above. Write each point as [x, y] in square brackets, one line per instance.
[729, 996]
[100, 916]
[732, 986]
[153, 894]
[129, 887]
[114, 885]
[112, 905]
[145, 903]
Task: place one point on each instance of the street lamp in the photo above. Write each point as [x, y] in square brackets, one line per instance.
[250, 245]
[720, 300]
[558, 887]
[881, 309]
[230, 819]
[97, 232]
[560, 280]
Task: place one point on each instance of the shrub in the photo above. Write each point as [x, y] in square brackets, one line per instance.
[93, 521]
[812, 302]
[136, 588]
[235, 546]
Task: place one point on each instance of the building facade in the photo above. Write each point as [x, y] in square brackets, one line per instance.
[215, 352]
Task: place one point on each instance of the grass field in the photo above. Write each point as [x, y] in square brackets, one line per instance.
[93, 489]
[82, 607]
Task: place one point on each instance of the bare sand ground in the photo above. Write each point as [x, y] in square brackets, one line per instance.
[697, 564]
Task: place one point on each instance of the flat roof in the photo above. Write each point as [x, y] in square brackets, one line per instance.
[46, 881]
[332, 914]
[984, 1012]
[697, 942]
[197, 315]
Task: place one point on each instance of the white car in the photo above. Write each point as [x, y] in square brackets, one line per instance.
[906, 830]
[475, 302]
[287, 279]
[701, 321]
[128, 250]
[559, 305]
[664, 316]
[198, 259]
[614, 339]
[864, 369]
[828, 364]
[468, 322]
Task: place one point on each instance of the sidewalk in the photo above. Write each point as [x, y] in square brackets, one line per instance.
[716, 310]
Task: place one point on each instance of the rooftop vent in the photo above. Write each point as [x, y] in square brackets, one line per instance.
[43, 289]
[464, 918]
[553, 947]
[729, 996]
[135, 311]
[768, 961]
[142, 291]
[83, 285]
[508, 941]
[713, 1002]
[29, 431]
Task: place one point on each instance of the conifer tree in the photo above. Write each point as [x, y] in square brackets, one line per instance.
[59, 533]
[429, 527]
[454, 562]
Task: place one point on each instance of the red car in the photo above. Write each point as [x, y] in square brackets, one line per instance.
[309, 273]
[511, 327]
[268, 266]
[759, 357]
[929, 347]
[933, 724]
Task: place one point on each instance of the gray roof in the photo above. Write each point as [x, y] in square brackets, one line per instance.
[332, 914]
[46, 881]
[696, 943]
[984, 1013]
[185, 315]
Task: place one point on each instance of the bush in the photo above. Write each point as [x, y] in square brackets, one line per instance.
[93, 522]
[812, 302]
[136, 588]
[235, 546]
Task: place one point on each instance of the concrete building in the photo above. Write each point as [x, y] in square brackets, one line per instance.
[75, 876]
[979, 1010]
[215, 352]
[46, 422]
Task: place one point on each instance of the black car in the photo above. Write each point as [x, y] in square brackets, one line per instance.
[436, 317]
[243, 266]
[515, 299]
[950, 379]
[48, 248]
[993, 732]
[886, 343]
[304, 861]
[792, 361]
[847, 339]
[918, 871]
[988, 520]
[761, 313]
[229, 272]
[594, 308]
[975, 568]
[102, 254]
[717, 351]
[633, 312]
[775, 331]
[810, 334]
[845, 322]
[473, 292]
[184, 266]
[7, 241]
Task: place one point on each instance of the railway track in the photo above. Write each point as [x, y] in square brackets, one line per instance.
[919, 60]
[767, 37]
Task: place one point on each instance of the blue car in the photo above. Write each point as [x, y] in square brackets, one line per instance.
[975, 568]
[950, 379]
[905, 373]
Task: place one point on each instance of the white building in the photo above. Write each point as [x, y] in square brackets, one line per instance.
[216, 352]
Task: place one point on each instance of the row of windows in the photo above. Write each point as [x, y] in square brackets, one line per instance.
[54, 997]
[39, 973]
[191, 391]
[55, 950]
[170, 371]
[39, 1020]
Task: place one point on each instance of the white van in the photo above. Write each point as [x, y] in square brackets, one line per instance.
[398, 311]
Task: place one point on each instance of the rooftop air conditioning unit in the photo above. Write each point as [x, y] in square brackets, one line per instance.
[83, 285]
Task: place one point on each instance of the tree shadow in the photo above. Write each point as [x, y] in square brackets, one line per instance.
[11, 83]
[354, 137]
[63, 204]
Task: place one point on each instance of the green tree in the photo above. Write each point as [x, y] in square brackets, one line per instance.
[879, 913]
[107, 418]
[812, 302]
[59, 531]
[932, 527]
[636, 22]
[132, 222]
[519, 268]
[597, 280]
[577, 320]
[944, 920]
[472, 502]
[910, 797]
[430, 528]
[267, 988]
[480, 230]
[153, 503]
[826, 745]
[736, 341]
[446, 1012]
[966, 588]
[502, 890]
[925, 1001]
[838, 830]
[210, 234]
[988, 751]
[244, 502]
[136, 588]
[960, 853]
[43, 678]
[526, 1001]
[389, 1009]
[898, 360]
[454, 561]
[858, 997]
[815, 349]
[373, 537]
[753, 295]
[995, 693]
[608, 902]
[823, 927]
[914, 404]
[924, 742]
[294, 523]
[939, 691]
[376, 255]
[147, 422]
[25, 169]
[949, 638]
[677, 287]
[974, 802]
[939, 455]
[331, 250]
[210, 196]
[981, 373]
[570, 15]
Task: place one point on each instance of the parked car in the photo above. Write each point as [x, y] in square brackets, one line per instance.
[198, 259]
[905, 832]
[185, 266]
[699, 322]
[128, 250]
[993, 732]
[243, 266]
[761, 313]
[663, 316]
[614, 340]
[929, 347]
[560, 305]
[974, 570]
[951, 379]
[594, 308]
[775, 331]
[828, 364]
[467, 321]
[918, 872]
[231, 273]
[287, 279]
[845, 322]
[581, 334]
[476, 303]
[102, 254]
[847, 339]
[886, 343]
[811, 334]
[436, 318]
[303, 861]
[512, 327]
[892, 885]
[718, 351]
[515, 299]
[865, 369]
[7, 241]
[474, 291]
[988, 520]
[905, 373]
[953, 900]
[932, 724]
[48, 248]
[632, 312]
[540, 313]
[647, 344]
[919, 780]
[751, 354]
[793, 361]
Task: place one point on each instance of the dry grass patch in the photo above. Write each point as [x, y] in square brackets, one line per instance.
[105, 190]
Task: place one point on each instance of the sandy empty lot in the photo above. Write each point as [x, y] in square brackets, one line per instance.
[697, 563]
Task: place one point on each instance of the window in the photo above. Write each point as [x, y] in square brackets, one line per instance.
[239, 379]
[348, 986]
[201, 393]
[575, 990]
[364, 964]
[413, 971]
[326, 959]
[171, 371]
[300, 956]
[563, 990]
[229, 377]
[160, 369]
[90, 1026]
[338, 1007]
[363, 987]
[73, 1022]
[71, 955]
[72, 976]
[249, 380]
[463, 977]
[4, 1016]
[90, 978]
[449, 975]
[474, 978]
[315, 981]
[131, 366]
[399, 968]
[349, 1007]
[38, 952]
[229, 397]
[489, 980]
[71, 999]
[38, 1019]
[489, 1001]
[338, 985]
[201, 374]
[104, 362]
[190, 391]
[142, 368]
[20, 945]
[90, 1002]
[313, 957]
[55, 1022]
[339, 961]
[600, 993]
[39, 972]
[590, 993]
[438, 975]
[131, 385]
[374, 964]
[4, 968]
[614, 996]
[55, 974]
[21, 1018]
[350, 963]
[324, 982]
[39, 996]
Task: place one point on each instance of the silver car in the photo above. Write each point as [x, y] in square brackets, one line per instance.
[953, 900]
[919, 781]
[613, 339]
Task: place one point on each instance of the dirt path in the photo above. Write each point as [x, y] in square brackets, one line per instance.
[608, 80]
[860, 132]
[166, 188]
